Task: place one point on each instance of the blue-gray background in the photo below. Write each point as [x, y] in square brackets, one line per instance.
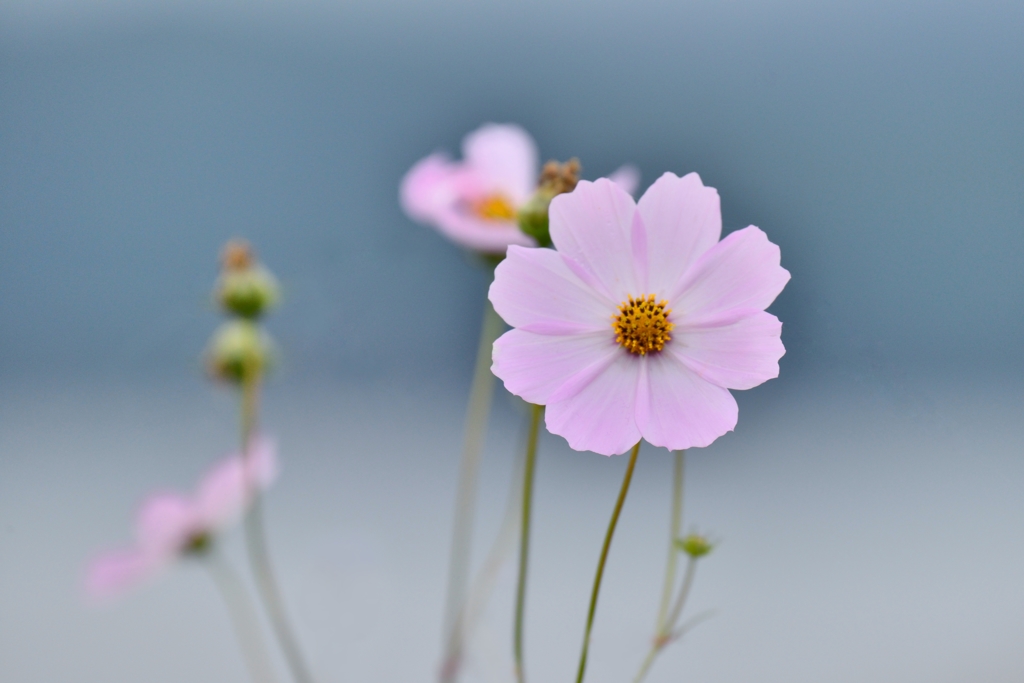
[870, 499]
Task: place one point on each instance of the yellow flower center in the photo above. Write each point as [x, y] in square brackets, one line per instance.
[494, 207]
[642, 325]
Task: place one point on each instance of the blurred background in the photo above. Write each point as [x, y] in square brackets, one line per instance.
[869, 502]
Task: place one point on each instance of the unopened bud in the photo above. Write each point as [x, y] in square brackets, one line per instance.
[245, 288]
[695, 545]
[555, 179]
[239, 352]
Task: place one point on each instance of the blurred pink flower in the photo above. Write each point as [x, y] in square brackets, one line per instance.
[642, 320]
[170, 525]
[474, 202]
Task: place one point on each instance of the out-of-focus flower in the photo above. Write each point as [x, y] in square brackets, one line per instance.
[475, 202]
[641, 320]
[169, 526]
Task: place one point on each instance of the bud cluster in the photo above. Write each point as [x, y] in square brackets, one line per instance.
[241, 350]
[555, 179]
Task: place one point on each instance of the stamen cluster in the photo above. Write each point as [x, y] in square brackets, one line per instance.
[642, 325]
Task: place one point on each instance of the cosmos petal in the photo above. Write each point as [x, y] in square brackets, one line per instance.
[683, 219]
[741, 271]
[534, 290]
[505, 158]
[739, 351]
[164, 523]
[627, 177]
[593, 226]
[599, 416]
[676, 409]
[535, 366]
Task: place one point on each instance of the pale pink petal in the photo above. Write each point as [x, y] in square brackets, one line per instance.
[683, 219]
[427, 188]
[741, 271]
[535, 290]
[487, 236]
[599, 416]
[627, 177]
[535, 366]
[225, 492]
[165, 522]
[593, 226]
[118, 571]
[506, 157]
[676, 409]
[739, 351]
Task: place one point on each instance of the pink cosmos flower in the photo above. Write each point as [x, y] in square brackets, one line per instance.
[474, 202]
[642, 320]
[170, 525]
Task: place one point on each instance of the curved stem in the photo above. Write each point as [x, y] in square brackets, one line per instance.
[675, 526]
[243, 618]
[477, 412]
[259, 556]
[524, 537]
[604, 557]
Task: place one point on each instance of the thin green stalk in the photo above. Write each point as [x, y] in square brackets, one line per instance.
[477, 412]
[684, 592]
[243, 617]
[604, 557]
[524, 537]
[259, 555]
[503, 543]
[665, 634]
[675, 526]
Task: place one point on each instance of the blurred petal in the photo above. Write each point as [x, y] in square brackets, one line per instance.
[683, 219]
[534, 366]
[225, 491]
[164, 523]
[115, 572]
[427, 187]
[676, 409]
[599, 416]
[736, 352]
[741, 271]
[506, 158]
[593, 226]
[627, 177]
[535, 290]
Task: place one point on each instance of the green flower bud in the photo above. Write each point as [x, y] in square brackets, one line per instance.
[244, 288]
[239, 352]
[555, 179]
[695, 545]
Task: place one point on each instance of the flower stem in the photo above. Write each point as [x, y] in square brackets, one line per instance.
[243, 618]
[675, 524]
[665, 634]
[604, 557]
[477, 412]
[524, 538]
[259, 556]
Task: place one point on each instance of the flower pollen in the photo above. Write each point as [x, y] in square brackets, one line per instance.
[495, 207]
[642, 325]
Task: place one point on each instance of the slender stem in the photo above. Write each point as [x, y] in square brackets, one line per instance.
[604, 557]
[259, 555]
[243, 617]
[675, 526]
[665, 633]
[684, 592]
[501, 546]
[477, 412]
[655, 649]
[524, 538]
